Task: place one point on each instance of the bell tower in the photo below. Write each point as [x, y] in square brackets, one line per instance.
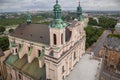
[57, 27]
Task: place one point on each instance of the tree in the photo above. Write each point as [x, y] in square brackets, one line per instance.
[92, 22]
[4, 43]
[11, 30]
[92, 35]
[2, 29]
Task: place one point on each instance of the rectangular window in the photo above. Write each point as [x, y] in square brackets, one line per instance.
[74, 55]
[63, 70]
[39, 53]
[19, 46]
[19, 76]
[16, 50]
[28, 49]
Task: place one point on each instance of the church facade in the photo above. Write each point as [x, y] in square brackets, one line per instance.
[46, 52]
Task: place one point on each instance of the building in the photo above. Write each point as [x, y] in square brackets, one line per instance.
[46, 52]
[1, 71]
[117, 28]
[111, 53]
[3, 56]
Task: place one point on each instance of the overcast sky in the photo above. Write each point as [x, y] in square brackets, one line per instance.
[21, 5]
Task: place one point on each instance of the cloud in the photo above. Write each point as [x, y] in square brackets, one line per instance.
[19, 5]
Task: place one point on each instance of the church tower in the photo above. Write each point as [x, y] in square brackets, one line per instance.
[57, 27]
[79, 13]
[67, 44]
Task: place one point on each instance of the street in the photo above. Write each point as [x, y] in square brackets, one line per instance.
[105, 74]
[98, 45]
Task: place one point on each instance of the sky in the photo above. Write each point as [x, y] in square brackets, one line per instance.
[23, 5]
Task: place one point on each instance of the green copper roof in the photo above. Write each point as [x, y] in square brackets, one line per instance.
[28, 18]
[13, 44]
[58, 23]
[79, 13]
[57, 6]
[11, 59]
[33, 70]
[21, 62]
[57, 11]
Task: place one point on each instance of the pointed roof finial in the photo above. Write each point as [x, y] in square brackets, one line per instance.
[79, 2]
[56, 1]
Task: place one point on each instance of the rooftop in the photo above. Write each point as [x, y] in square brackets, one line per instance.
[35, 32]
[86, 69]
[32, 69]
[113, 43]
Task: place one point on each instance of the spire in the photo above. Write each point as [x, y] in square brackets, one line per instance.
[58, 22]
[56, 1]
[57, 11]
[79, 12]
[28, 18]
[79, 2]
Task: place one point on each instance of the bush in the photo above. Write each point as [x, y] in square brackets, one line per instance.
[104, 22]
[92, 35]
[2, 29]
[4, 43]
[114, 35]
[11, 30]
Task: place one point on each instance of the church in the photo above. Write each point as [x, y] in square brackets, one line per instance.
[46, 52]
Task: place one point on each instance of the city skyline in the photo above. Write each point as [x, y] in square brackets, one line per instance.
[23, 5]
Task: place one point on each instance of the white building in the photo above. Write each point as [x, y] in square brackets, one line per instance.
[117, 27]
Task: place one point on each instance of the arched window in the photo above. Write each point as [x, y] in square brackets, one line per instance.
[16, 50]
[61, 38]
[19, 46]
[19, 76]
[39, 53]
[10, 76]
[74, 55]
[55, 39]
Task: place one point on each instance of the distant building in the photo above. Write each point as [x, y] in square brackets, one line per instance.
[97, 20]
[46, 52]
[117, 28]
[111, 53]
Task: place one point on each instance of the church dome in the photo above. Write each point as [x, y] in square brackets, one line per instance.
[57, 6]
